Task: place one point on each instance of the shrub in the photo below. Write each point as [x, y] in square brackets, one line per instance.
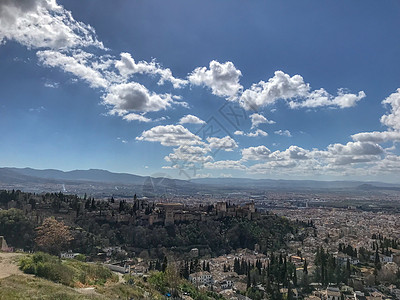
[68, 273]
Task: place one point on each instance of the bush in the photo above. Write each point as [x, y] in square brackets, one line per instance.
[68, 273]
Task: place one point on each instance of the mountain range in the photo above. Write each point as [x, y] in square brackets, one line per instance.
[102, 182]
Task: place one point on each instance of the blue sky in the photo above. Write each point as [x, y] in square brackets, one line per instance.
[274, 89]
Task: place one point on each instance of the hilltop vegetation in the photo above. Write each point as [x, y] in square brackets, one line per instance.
[96, 224]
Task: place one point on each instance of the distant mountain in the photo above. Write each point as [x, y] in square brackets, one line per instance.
[92, 181]
[289, 184]
[102, 182]
[93, 175]
[371, 187]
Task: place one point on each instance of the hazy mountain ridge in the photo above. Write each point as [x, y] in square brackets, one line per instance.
[282, 183]
[108, 183]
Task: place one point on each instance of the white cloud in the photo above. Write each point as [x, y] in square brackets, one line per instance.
[256, 133]
[225, 164]
[43, 24]
[296, 92]
[133, 96]
[136, 117]
[393, 118]
[51, 85]
[170, 135]
[291, 153]
[377, 136]
[321, 97]
[191, 120]
[76, 64]
[238, 132]
[281, 86]
[255, 153]
[189, 153]
[223, 79]
[283, 132]
[127, 66]
[355, 148]
[257, 119]
[226, 143]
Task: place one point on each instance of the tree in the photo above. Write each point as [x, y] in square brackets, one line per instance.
[53, 236]
[164, 264]
[172, 277]
[16, 228]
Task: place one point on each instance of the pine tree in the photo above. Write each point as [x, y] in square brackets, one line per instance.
[164, 264]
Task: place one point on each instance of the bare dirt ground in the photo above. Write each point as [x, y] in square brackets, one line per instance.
[8, 264]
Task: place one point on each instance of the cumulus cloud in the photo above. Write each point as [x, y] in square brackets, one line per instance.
[189, 153]
[291, 153]
[60, 40]
[283, 132]
[222, 79]
[281, 86]
[393, 118]
[256, 153]
[296, 92]
[257, 119]
[191, 119]
[238, 132]
[127, 66]
[133, 96]
[377, 136]
[43, 24]
[256, 133]
[390, 119]
[321, 97]
[355, 148]
[170, 135]
[226, 143]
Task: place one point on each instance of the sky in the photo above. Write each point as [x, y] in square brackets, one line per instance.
[192, 89]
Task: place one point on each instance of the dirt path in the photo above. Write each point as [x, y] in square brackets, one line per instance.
[8, 264]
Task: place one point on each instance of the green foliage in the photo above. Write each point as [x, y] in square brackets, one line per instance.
[327, 270]
[158, 281]
[16, 228]
[196, 294]
[81, 257]
[220, 236]
[16, 287]
[68, 272]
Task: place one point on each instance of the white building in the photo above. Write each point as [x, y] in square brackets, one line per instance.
[201, 278]
[226, 284]
[69, 254]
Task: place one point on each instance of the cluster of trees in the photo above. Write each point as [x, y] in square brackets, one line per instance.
[7, 196]
[279, 273]
[327, 270]
[17, 228]
[383, 244]
[218, 236]
[348, 249]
